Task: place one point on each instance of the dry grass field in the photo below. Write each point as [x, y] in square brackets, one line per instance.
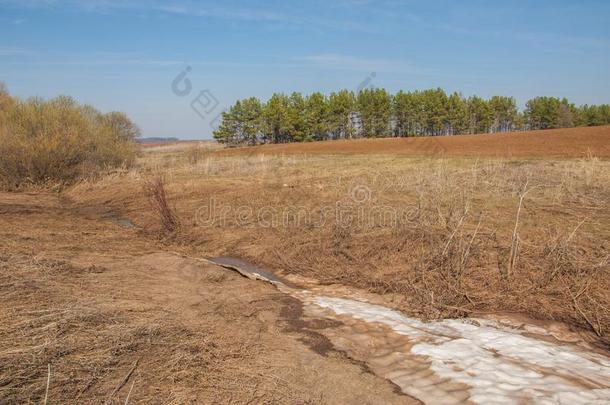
[100, 300]
[439, 235]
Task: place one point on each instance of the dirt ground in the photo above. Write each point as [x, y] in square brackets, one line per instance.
[101, 312]
[570, 142]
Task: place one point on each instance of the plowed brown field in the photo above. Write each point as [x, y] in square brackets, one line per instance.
[570, 142]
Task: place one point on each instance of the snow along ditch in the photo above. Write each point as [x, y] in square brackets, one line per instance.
[454, 360]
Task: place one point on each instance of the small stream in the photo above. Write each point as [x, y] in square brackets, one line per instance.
[453, 361]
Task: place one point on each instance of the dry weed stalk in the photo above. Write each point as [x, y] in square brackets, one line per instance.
[575, 297]
[46, 392]
[155, 189]
[515, 241]
[123, 381]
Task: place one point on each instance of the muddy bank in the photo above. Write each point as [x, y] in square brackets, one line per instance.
[499, 359]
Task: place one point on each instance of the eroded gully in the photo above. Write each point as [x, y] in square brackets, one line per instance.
[492, 359]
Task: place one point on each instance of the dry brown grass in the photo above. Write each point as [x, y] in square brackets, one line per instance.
[478, 235]
[113, 317]
[181, 146]
[67, 334]
[101, 349]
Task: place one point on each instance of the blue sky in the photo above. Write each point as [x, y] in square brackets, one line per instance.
[124, 55]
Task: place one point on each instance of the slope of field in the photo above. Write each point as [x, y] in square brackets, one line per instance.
[569, 142]
[91, 312]
[438, 235]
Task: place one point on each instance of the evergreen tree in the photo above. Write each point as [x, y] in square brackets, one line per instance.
[316, 113]
[375, 110]
[341, 107]
[457, 115]
[250, 117]
[276, 120]
[480, 115]
[435, 107]
[504, 110]
[228, 129]
[376, 113]
[403, 109]
[604, 111]
[548, 113]
[297, 117]
[594, 115]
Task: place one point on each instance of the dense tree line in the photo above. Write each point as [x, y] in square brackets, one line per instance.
[376, 113]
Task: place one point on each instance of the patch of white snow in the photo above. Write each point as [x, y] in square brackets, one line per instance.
[498, 363]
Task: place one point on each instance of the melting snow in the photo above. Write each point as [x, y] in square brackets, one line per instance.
[498, 363]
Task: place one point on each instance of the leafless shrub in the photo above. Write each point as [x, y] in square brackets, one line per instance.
[155, 189]
[59, 142]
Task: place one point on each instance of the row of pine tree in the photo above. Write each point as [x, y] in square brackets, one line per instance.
[376, 113]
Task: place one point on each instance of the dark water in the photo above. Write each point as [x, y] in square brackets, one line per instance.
[248, 270]
[120, 221]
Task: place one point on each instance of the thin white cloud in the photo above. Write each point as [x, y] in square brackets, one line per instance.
[102, 62]
[224, 13]
[273, 13]
[58, 58]
[216, 10]
[348, 62]
[10, 51]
